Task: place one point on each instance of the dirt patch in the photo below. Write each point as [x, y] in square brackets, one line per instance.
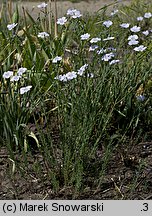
[83, 6]
[128, 176]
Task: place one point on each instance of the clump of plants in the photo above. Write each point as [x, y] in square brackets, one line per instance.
[84, 79]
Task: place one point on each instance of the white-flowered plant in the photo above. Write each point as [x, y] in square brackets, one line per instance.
[74, 13]
[90, 75]
[140, 48]
[42, 5]
[108, 38]
[133, 37]
[140, 97]
[23, 90]
[114, 61]
[10, 74]
[93, 47]
[66, 77]
[146, 33]
[57, 59]
[7, 74]
[135, 29]
[15, 78]
[82, 69]
[147, 15]
[101, 51]
[107, 23]
[21, 71]
[114, 12]
[43, 35]
[95, 40]
[140, 18]
[62, 21]
[11, 26]
[61, 78]
[71, 75]
[133, 42]
[108, 56]
[124, 25]
[85, 36]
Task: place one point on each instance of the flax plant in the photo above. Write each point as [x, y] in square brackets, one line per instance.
[88, 81]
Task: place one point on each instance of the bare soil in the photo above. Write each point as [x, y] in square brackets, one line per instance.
[128, 175]
[89, 6]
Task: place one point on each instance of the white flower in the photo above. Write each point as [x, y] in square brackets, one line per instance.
[71, 75]
[124, 25]
[61, 78]
[135, 29]
[71, 12]
[43, 5]
[67, 76]
[85, 36]
[90, 75]
[133, 42]
[15, 78]
[107, 23]
[62, 20]
[133, 37]
[114, 61]
[140, 18]
[140, 98]
[43, 35]
[21, 71]
[77, 14]
[82, 69]
[95, 40]
[140, 48]
[25, 89]
[114, 12]
[8, 74]
[107, 56]
[56, 59]
[101, 51]
[74, 13]
[146, 33]
[11, 26]
[93, 47]
[148, 15]
[108, 38]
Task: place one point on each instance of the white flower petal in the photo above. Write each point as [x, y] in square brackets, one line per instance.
[140, 18]
[135, 29]
[107, 23]
[107, 56]
[124, 25]
[108, 38]
[15, 78]
[25, 89]
[133, 42]
[21, 71]
[147, 15]
[95, 40]
[7, 74]
[85, 36]
[133, 37]
[140, 48]
[146, 33]
[62, 21]
[56, 59]
[11, 26]
[43, 5]
[43, 35]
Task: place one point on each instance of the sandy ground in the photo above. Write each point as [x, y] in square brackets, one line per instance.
[84, 6]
